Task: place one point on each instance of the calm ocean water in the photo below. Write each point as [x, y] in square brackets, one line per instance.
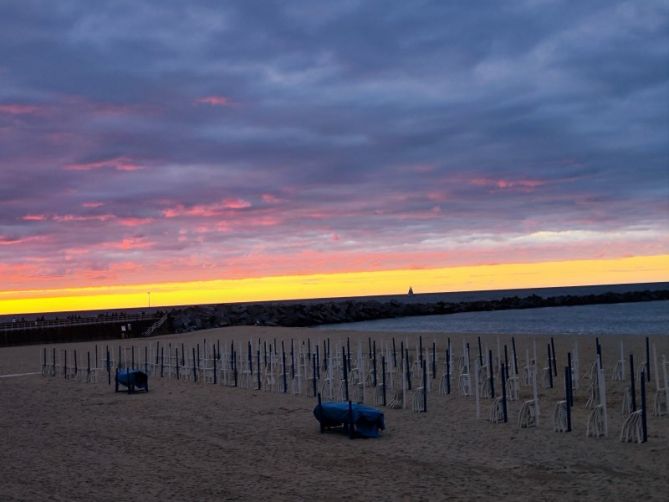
[643, 319]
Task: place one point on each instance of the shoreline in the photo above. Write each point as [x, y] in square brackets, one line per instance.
[312, 313]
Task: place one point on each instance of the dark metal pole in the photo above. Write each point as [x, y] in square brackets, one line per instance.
[250, 357]
[313, 373]
[394, 354]
[550, 371]
[424, 365]
[343, 356]
[234, 363]
[374, 362]
[283, 358]
[554, 357]
[567, 385]
[448, 371]
[434, 360]
[515, 358]
[492, 375]
[570, 398]
[194, 367]
[632, 383]
[503, 383]
[408, 372]
[644, 423]
[383, 371]
[258, 367]
[480, 353]
[648, 360]
[215, 368]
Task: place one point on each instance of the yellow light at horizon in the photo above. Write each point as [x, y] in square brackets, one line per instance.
[467, 278]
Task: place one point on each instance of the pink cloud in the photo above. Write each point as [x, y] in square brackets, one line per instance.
[269, 198]
[14, 241]
[215, 101]
[135, 222]
[65, 218]
[437, 196]
[207, 210]
[18, 109]
[34, 217]
[130, 243]
[502, 184]
[117, 163]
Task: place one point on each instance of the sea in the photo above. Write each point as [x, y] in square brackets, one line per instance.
[641, 318]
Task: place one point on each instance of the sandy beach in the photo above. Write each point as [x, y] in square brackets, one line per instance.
[71, 440]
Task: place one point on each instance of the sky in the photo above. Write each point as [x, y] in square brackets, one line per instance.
[328, 148]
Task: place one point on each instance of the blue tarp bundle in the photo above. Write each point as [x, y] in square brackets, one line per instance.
[366, 420]
[132, 379]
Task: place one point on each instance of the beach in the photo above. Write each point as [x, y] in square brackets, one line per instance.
[71, 440]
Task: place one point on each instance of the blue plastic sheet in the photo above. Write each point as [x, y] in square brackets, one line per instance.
[133, 378]
[367, 421]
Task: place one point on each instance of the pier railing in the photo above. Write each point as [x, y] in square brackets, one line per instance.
[39, 324]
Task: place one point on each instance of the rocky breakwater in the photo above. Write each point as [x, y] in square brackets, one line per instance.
[333, 312]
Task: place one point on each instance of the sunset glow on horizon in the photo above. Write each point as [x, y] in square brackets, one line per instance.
[212, 152]
[482, 277]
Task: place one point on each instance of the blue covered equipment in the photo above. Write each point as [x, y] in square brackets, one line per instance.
[132, 379]
[357, 419]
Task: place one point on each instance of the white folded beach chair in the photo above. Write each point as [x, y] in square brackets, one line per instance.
[496, 411]
[527, 417]
[417, 401]
[596, 426]
[512, 388]
[378, 394]
[465, 385]
[626, 408]
[560, 417]
[397, 401]
[444, 384]
[632, 429]
[547, 377]
[617, 373]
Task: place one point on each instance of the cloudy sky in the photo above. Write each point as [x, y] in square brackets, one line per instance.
[143, 142]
